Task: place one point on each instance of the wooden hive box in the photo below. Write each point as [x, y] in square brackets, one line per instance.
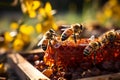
[26, 71]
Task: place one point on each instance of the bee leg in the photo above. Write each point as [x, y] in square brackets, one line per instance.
[75, 38]
[101, 52]
[50, 43]
[79, 35]
[94, 62]
[55, 58]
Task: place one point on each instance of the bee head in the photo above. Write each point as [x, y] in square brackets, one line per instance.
[51, 31]
[77, 27]
[94, 44]
[111, 36]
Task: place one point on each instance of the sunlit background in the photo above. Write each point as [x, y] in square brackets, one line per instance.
[24, 21]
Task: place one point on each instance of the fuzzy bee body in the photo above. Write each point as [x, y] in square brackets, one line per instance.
[44, 44]
[92, 47]
[110, 37]
[47, 38]
[74, 30]
[66, 34]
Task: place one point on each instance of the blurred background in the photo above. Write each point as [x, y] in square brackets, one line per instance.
[93, 8]
[32, 18]
[69, 11]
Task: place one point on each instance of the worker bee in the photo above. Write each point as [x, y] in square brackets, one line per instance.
[92, 48]
[108, 37]
[74, 30]
[47, 38]
[104, 39]
[118, 36]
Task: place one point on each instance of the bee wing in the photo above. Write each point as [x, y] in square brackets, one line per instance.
[84, 44]
[40, 42]
[92, 38]
[112, 30]
[43, 44]
[55, 34]
[118, 31]
[64, 27]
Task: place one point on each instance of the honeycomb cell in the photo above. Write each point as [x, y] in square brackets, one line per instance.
[70, 54]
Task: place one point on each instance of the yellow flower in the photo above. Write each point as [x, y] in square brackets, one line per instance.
[19, 36]
[38, 28]
[42, 12]
[8, 37]
[14, 25]
[26, 38]
[47, 11]
[100, 17]
[32, 14]
[48, 8]
[28, 30]
[46, 25]
[21, 41]
[48, 19]
[26, 5]
[36, 5]
[30, 6]
[54, 26]
[107, 13]
[18, 44]
[112, 2]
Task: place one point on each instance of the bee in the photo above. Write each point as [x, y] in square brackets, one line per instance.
[74, 30]
[108, 37]
[92, 47]
[47, 38]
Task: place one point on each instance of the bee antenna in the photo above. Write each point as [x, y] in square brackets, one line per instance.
[51, 30]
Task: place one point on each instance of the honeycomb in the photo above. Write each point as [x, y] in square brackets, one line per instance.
[70, 54]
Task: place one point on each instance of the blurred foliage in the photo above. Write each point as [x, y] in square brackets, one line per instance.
[109, 12]
[21, 32]
[104, 12]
